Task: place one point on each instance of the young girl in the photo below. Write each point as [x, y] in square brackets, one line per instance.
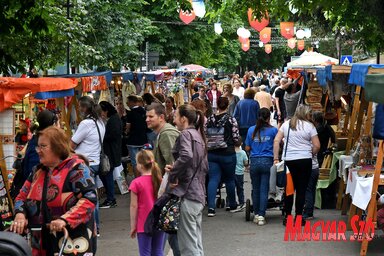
[143, 195]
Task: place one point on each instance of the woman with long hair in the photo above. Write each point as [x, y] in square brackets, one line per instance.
[300, 144]
[222, 134]
[233, 99]
[213, 95]
[170, 109]
[238, 89]
[259, 144]
[112, 148]
[187, 177]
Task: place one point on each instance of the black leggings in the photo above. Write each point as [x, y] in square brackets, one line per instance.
[300, 170]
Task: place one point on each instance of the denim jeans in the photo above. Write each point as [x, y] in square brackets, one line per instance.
[133, 150]
[94, 173]
[310, 194]
[109, 185]
[221, 167]
[239, 182]
[260, 172]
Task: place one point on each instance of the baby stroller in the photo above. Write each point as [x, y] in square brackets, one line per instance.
[276, 193]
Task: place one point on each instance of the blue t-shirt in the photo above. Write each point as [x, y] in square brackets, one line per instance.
[263, 147]
[241, 157]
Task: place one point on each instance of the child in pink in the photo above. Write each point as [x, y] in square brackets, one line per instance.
[143, 196]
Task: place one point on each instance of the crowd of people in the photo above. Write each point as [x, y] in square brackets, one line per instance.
[224, 131]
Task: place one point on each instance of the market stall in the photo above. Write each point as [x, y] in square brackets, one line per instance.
[13, 91]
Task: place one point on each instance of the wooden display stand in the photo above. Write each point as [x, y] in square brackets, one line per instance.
[372, 206]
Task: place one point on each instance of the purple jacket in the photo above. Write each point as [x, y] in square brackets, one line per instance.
[190, 161]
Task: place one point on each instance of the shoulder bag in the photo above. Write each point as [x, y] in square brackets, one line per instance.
[281, 177]
[104, 166]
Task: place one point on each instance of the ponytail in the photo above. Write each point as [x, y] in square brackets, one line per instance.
[156, 178]
[262, 121]
[199, 125]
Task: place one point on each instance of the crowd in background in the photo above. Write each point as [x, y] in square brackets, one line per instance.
[228, 128]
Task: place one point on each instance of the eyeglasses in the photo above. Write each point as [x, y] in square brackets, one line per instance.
[41, 147]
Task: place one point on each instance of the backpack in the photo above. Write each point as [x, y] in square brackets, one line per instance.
[215, 132]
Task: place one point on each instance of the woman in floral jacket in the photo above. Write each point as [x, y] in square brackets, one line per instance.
[59, 193]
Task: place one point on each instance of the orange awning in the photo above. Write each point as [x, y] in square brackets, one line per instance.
[13, 90]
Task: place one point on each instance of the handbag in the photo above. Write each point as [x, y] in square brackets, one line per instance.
[169, 216]
[104, 166]
[373, 88]
[378, 128]
[281, 177]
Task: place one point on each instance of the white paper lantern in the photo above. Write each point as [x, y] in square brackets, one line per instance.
[240, 31]
[261, 44]
[247, 33]
[199, 8]
[300, 34]
[308, 32]
[218, 28]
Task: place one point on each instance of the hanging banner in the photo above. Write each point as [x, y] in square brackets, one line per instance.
[246, 45]
[292, 43]
[265, 35]
[301, 45]
[287, 29]
[94, 83]
[268, 48]
[255, 23]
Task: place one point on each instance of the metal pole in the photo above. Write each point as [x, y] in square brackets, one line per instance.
[146, 56]
[68, 52]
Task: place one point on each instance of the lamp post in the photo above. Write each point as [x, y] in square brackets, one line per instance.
[68, 5]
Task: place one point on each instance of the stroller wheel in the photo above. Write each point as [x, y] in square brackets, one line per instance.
[248, 210]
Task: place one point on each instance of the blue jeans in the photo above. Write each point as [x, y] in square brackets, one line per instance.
[94, 172]
[151, 136]
[221, 167]
[310, 194]
[133, 150]
[260, 172]
[109, 185]
[239, 182]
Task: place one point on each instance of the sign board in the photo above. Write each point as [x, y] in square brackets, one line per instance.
[346, 60]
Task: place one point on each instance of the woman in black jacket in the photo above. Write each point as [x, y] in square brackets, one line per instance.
[112, 148]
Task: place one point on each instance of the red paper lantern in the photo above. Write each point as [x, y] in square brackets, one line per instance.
[268, 48]
[246, 45]
[301, 45]
[265, 35]
[255, 23]
[292, 43]
[287, 29]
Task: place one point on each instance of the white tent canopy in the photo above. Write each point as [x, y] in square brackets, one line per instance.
[312, 59]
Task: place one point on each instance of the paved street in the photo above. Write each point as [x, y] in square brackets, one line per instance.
[228, 234]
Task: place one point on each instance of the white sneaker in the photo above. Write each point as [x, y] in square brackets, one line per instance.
[256, 219]
[261, 221]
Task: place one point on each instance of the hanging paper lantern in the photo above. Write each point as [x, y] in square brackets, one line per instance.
[287, 29]
[218, 28]
[292, 43]
[265, 35]
[246, 45]
[300, 45]
[242, 39]
[300, 34]
[199, 8]
[255, 23]
[187, 16]
[268, 48]
[261, 44]
[244, 33]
